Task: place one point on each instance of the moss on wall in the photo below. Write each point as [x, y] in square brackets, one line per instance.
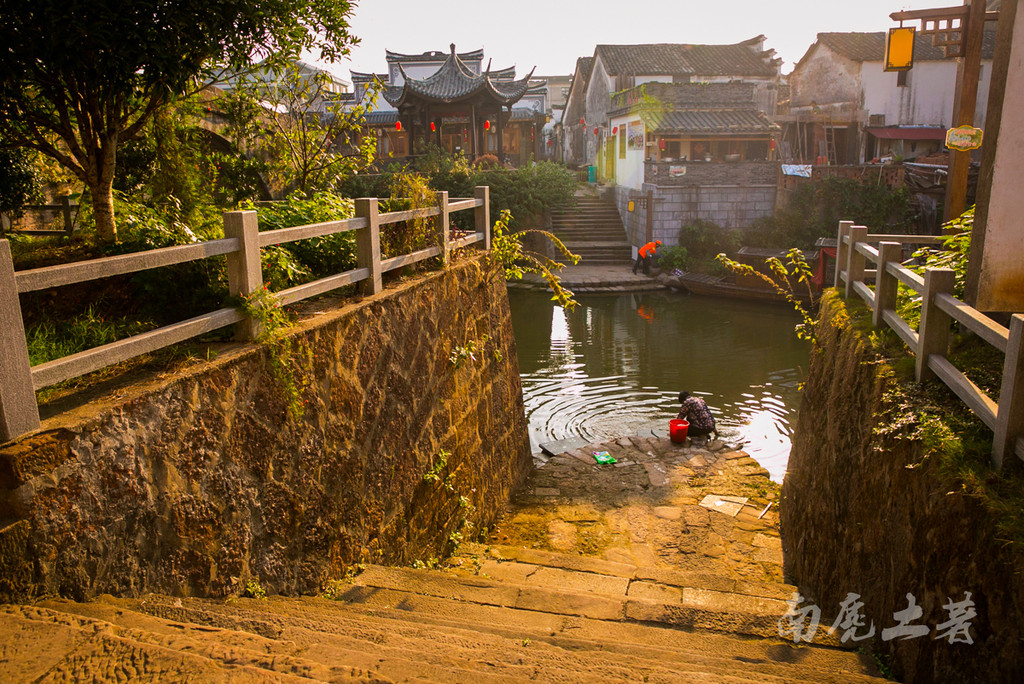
[871, 505]
[205, 480]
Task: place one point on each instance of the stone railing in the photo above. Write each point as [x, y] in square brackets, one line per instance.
[19, 412]
[701, 173]
[930, 342]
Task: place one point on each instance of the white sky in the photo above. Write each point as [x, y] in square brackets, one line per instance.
[552, 34]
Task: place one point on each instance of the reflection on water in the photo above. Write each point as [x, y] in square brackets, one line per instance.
[614, 367]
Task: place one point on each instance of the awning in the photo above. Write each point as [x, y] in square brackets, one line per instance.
[908, 133]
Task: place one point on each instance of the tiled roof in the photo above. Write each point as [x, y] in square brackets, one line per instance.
[388, 118]
[455, 81]
[870, 47]
[583, 67]
[675, 58]
[715, 121]
[360, 77]
[434, 56]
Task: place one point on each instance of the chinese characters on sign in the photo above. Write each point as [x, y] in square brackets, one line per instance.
[801, 623]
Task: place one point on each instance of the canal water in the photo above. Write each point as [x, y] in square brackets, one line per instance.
[614, 367]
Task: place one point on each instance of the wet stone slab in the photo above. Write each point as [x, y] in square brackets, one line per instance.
[644, 510]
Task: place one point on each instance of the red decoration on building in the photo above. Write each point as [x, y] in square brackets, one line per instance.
[582, 122]
[615, 131]
[595, 130]
[398, 125]
[661, 144]
[487, 125]
[433, 126]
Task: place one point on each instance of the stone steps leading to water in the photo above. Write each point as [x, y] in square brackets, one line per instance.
[596, 573]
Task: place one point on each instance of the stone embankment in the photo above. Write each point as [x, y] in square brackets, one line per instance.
[597, 573]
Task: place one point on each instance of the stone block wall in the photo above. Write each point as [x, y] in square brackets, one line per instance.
[195, 483]
[873, 512]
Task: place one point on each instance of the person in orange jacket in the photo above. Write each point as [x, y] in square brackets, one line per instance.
[644, 254]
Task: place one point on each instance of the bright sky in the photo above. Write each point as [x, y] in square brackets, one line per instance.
[552, 34]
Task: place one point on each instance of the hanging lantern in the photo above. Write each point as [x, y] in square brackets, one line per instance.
[661, 144]
[398, 125]
[487, 125]
[595, 130]
[433, 126]
[550, 143]
[615, 130]
[582, 122]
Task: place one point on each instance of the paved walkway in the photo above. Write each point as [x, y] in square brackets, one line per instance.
[608, 278]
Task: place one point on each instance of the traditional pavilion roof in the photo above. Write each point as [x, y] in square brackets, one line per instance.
[428, 56]
[710, 122]
[455, 81]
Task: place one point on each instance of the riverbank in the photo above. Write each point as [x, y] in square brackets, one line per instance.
[593, 279]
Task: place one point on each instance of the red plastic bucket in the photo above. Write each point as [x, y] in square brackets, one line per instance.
[677, 430]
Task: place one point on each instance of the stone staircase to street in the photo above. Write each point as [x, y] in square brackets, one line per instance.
[593, 230]
[597, 573]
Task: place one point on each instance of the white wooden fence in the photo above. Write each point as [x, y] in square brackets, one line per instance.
[242, 242]
[930, 343]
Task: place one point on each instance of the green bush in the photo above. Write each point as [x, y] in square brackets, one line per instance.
[815, 209]
[55, 339]
[673, 257]
[298, 262]
[704, 240]
[19, 181]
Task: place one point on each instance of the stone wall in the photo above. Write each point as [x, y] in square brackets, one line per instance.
[878, 516]
[196, 483]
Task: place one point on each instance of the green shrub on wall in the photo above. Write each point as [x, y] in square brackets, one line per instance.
[815, 209]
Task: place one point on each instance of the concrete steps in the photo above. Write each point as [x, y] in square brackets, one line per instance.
[593, 230]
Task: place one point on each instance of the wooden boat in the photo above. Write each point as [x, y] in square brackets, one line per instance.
[721, 286]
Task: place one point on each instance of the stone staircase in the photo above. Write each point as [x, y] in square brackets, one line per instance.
[593, 230]
[599, 573]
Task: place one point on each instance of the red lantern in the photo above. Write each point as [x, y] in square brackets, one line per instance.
[595, 130]
[661, 144]
[550, 143]
[771, 145]
[398, 125]
[582, 122]
[487, 125]
[433, 126]
[615, 130]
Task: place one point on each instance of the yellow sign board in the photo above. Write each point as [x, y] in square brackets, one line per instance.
[964, 138]
[899, 49]
[631, 205]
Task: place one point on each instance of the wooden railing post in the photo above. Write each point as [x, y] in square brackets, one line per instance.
[482, 214]
[1010, 418]
[368, 244]
[933, 333]
[855, 261]
[886, 283]
[443, 226]
[245, 273]
[19, 412]
[65, 210]
[844, 230]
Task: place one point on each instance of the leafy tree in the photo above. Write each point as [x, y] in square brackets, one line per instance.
[309, 139]
[78, 77]
[19, 182]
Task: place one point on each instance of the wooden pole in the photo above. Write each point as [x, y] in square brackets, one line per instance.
[368, 244]
[19, 412]
[933, 332]
[245, 273]
[965, 102]
[482, 214]
[841, 251]
[885, 283]
[855, 262]
[1010, 419]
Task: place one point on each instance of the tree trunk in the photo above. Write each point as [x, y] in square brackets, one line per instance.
[101, 184]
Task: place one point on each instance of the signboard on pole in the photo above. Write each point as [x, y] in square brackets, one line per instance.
[963, 138]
